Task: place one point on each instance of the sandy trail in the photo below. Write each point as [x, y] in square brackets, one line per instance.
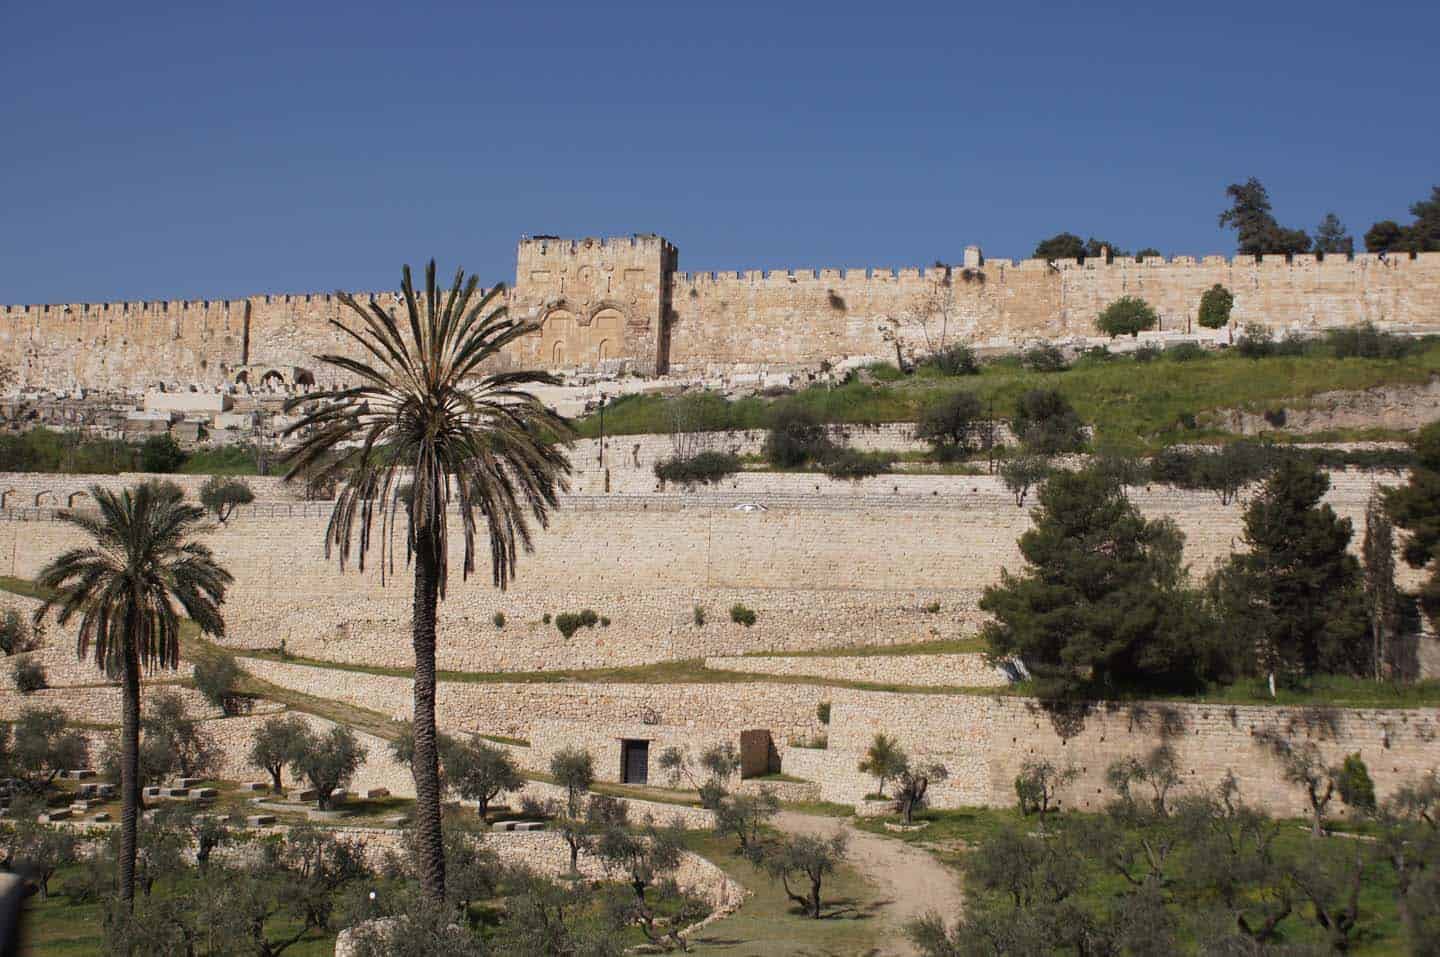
[909, 881]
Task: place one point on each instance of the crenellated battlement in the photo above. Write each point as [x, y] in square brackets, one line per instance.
[622, 302]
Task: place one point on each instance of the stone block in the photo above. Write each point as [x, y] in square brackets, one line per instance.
[307, 794]
[185, 782]
[377, 793]
[100, 816]
[80, 774]
[259, 820]
[529, 825]
[173, 792]
[255, 786]
[54, 814]
[151, 791]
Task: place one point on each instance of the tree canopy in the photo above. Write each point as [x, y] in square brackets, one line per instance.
[1295, 595]
[1104, 595]
[1126, 316]
[1257, 230]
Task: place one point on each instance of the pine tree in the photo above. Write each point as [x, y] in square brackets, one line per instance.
[1104, 598]
[1331, 236]
[1415, 507]
[1296, 593]
[1255, 225]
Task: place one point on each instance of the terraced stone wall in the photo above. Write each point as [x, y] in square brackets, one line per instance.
[839, 567]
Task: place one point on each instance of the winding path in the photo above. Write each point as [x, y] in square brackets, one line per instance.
[910, 882]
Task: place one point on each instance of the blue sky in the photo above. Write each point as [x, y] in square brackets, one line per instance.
[186, 152]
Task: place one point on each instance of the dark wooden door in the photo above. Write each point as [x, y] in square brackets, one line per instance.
[635, 762]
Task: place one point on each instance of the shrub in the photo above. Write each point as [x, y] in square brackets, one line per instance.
[852, 464]
[223, 494]
[1045, 357]
[499, 619]
[822, 712]
[1185, 352]
[1126, 316]
[1046, 423]
[742, 615]
[957, 359]
[796, 436]
[697, 614]
[707, 468]
[545, 618]
[1366, 342]
[1255, 342]
[29, 675]
[161, 453]
[1215, 306]
[570, 622]
[604, 622]
[16, 635]
[950, 423]
[933, 608]
[1147, 353]
[216, 677]
[1353, 782]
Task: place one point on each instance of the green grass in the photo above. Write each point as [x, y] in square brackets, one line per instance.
[1126, 401]
[503, 739]
[226, 460]
[953, 646]
[768, 925]
[59, 927]
[1338, 691]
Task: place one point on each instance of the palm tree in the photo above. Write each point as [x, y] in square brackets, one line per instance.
[123, 585]
[422, 418]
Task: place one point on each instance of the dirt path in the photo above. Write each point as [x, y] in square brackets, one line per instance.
[909, 881]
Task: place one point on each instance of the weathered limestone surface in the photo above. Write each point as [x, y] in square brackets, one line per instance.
[613, 303]
[834, 568]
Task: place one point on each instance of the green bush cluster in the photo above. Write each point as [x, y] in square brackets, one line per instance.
[570, 622]
[1126, 316]
[742, 615]
[706, 468]
[29, 675]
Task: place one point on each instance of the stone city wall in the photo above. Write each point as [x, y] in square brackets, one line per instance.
[616, 303]
[953, 671]
[824, 571]
[796, 317]
[985, 740]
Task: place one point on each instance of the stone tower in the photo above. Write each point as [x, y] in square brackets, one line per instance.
[601, 302]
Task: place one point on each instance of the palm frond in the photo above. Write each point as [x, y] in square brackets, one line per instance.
[420, 411]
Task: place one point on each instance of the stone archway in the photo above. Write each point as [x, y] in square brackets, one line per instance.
[74, 497]
[45, 498]
[557, 333]
[10, 499]
[272, 379]
[606, 333]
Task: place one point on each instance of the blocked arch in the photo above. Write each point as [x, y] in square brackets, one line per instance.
[274, 375]
[10, 498]
[77, 498]
[44, 498]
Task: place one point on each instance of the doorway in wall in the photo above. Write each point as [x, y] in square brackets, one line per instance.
[634, 761]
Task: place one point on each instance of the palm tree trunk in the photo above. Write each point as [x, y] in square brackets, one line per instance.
[426, 765]
[129, 771]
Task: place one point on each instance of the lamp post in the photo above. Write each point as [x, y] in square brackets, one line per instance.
[603, 469]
